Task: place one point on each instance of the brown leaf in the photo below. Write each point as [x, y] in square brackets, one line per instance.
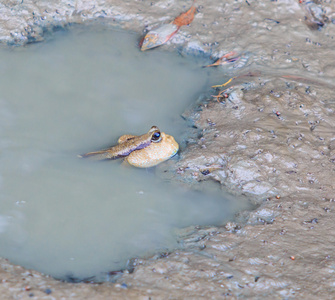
[229, 57]
[185, 18]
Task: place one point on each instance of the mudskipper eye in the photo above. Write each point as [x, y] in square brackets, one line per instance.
[156, 137]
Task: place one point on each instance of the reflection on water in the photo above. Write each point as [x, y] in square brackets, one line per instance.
[76, 93]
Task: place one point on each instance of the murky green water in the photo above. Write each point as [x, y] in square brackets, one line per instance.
[75, 93]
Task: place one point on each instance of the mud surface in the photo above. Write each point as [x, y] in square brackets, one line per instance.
[270, 136]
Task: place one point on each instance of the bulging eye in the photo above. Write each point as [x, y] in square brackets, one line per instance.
[156, 137]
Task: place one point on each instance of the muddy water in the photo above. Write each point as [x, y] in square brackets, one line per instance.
[78, 92]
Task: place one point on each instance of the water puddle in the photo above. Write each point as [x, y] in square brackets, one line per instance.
[78, 92]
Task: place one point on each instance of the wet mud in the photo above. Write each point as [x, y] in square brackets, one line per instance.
[269, 136]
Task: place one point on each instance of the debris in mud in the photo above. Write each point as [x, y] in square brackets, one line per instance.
[312, 221]
[48, 291]
[315, 17]
[226, 93]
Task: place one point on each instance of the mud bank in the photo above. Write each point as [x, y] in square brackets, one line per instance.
[270, 137]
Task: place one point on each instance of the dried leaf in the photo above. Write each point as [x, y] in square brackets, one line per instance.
[224, 59]
[185, 18]
[158, 36]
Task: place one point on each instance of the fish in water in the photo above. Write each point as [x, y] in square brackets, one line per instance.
[141, 151]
